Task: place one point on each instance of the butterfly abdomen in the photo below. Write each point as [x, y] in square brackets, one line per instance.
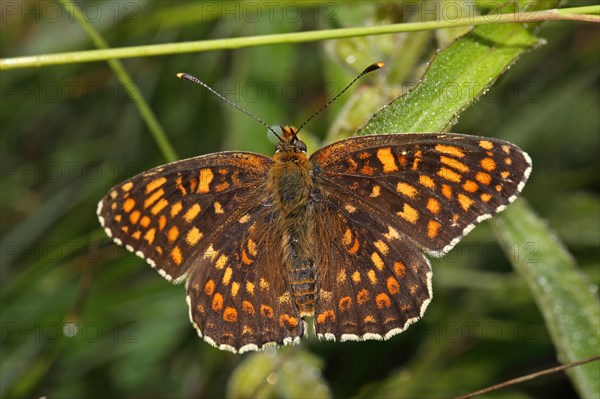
[291, 184]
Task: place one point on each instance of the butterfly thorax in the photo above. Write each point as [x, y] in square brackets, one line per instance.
[291, 186]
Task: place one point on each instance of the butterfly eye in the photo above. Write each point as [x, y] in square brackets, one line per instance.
[300, 146]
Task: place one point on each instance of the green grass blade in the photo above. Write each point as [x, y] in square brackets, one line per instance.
[128, 84]
[567, 300]
[455, 79]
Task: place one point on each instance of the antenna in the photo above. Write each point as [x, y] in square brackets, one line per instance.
[194, 79]
[370, 68]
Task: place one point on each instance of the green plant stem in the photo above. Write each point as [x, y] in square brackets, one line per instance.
[584, 14]
[128, 84]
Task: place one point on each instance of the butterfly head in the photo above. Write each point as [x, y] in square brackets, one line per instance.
[289, 141]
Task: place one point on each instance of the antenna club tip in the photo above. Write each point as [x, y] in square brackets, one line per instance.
[181, 75]
[373, 67]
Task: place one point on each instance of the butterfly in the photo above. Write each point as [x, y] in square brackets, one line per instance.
[339, 239]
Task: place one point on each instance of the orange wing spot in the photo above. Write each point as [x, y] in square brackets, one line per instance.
[128, 205]
[369, 319]
[377, 261]
[266, 311]
[455, 218]
[449, 174]
[217, 302]
[247, 307]
[145, 222]
[209, 287]
[176, 256]
[263, 284]
[154, 184]
[450, 150]
[461, 167]
[508, 161]
[204, 179]
[134, 217]
[406, 189]
[372, 276]
[356, 277]
[179, 185]
[498, 187]
[350, 208]
[162, 221]
[222, 186]
[341, 277]
[433, 228]
[352, 165]
[417, 160]
[465, 201]
[433, 205]
[113, 194]
[486, 145]
[193, 185]
[375, 191]
[446, 191]
[221, 262]
[149, 236]
[326, 316]
[382, 300]
[382, 247]
[125, 229]
[367, 170]
[387, 160]
[488, 164]
[137, 235]
[505, 174]
[402, 160]
[227, 275]
[218, 208]
[399, 269]
[485, 197]
[364, 155]
[345, 303]
[285, 320]
[230, 314]
[413, 289]
[193, 236]
[127, 186]
[244, 219]
[409, 214]
[235, 287]
[470, 186]
[250, 288]
[483, 178]
[192, 213]
[113, 206]
[252, 247]
[506, 148]
[159, 250]
[426, 181]
[362, 296]
[153, 198]
[160, 205]
[347, 238]
[245, 259]
[392, 285]
[175, 209]
[117, 218]
[355, 247]
[173, 234]
[392, 234]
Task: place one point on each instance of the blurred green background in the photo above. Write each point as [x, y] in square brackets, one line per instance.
[81, 317]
